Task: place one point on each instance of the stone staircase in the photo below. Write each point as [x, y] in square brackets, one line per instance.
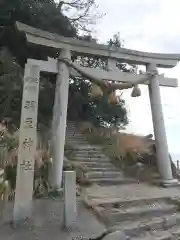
[149, 219]
[142, 211]
[100, 170]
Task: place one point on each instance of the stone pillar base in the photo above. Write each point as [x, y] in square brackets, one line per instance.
[166, 183]
[169, 183]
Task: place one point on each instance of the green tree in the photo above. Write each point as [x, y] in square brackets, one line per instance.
[47, 15]
[11, 75]
[43, 14]
[11, 85]
[97, 111]
[82, 14]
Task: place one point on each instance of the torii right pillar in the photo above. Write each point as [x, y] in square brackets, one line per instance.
[163, 159]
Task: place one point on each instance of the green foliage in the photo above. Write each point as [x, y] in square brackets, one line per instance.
[111, 114]
[47, 15]
[11, 85]
[38, 13]
[11, 76]
[46, 101]
[10, 175]
[11, 142]
[97, 111]
[42, 14]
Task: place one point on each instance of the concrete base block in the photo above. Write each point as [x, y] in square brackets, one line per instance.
[169, 183]
[69, 199]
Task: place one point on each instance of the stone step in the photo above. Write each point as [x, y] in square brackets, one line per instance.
[91, 154]
[112, 168]
[72, 138]
[103, 174]
[77, 143]
[87, 147]
[71, 129]
[175, 231]
[137, 226]
[74, 134]
[95, 163]
[116, 203]
[89, 159]
[69, 124]
[113, 210]
[112, 181]
[154, 210]
[154, 235]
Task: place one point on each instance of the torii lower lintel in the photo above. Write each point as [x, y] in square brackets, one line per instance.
[52, 66]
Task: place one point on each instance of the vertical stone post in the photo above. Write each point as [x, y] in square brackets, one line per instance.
[53, 135]
[162, 152]
[60, 110]
[111, 64]
[69, 198]
[178, 165]
[27, 144]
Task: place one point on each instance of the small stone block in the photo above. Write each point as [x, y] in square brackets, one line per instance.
[168, 223]
[69, 198]
[26, 224]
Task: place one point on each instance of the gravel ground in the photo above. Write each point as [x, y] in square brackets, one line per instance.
[47, 223]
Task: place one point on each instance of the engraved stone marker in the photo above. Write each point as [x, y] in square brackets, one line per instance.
[27, 144]
[69, 199]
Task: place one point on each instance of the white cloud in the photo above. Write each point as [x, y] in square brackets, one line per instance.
[143, 24]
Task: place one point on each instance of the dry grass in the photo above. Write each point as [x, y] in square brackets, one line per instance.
[9, 158]
[86, 127]
[125, 150]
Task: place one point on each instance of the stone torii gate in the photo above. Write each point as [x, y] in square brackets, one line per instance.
[63, 67]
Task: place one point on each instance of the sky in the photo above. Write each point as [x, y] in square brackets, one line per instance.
[152, 26]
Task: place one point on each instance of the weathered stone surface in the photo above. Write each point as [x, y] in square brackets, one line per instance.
[139, 210]
[169, 221]
[117, 235]
[175, 231]
[161, 235]
[103, 174]
[47, 220]
[27, 144]
[70, 212]
[103, 169]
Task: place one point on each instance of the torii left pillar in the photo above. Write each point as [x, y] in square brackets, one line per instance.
[59, 119]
